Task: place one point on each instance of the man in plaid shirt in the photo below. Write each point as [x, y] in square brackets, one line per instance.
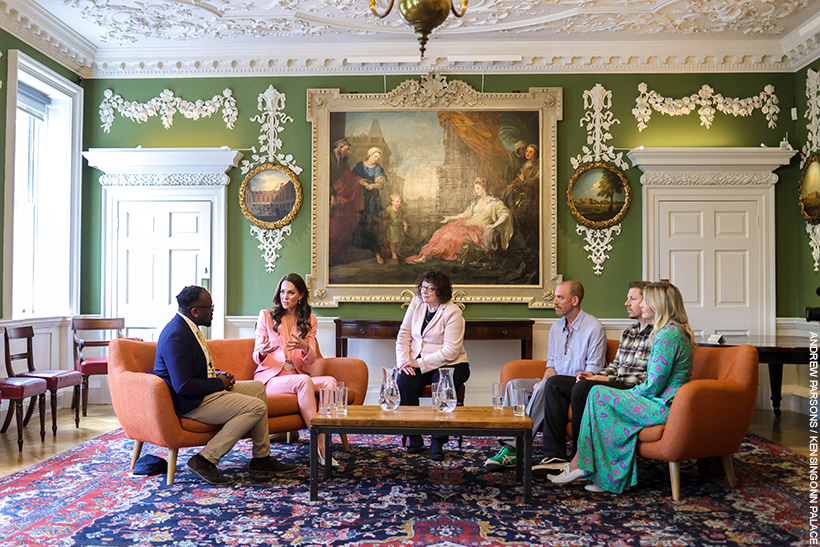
[627, 370]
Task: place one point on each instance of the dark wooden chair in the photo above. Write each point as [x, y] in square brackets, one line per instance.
[54, 379]
[17, 390]
[90, 366]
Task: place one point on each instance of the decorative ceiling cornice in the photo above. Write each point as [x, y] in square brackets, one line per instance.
[452, 51]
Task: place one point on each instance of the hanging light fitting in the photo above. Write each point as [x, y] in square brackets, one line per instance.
[422, 15]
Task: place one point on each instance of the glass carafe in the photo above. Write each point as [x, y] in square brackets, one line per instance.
[389, 394]
[445, 398]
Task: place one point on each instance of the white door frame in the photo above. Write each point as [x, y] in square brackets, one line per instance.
[719, 174]
[168, 174]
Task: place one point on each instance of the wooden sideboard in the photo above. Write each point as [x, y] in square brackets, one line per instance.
[388, 329]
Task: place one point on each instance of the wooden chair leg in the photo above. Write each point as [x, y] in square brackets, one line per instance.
[674, 477]
[726, 460]
[345, 445]
[30, 411]
[9, 414]
[172, 465]
[85, 395]
[77, 407]
[135, 454]
[19, 406]
[42, 417]
[54, 412]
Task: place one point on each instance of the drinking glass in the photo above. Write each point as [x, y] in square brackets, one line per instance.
[498, 395]
[519, 402]
[325, 401]
[340, 400]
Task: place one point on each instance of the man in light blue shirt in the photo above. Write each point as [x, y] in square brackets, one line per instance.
[577, 343]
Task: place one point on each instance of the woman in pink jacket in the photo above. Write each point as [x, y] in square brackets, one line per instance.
[431, 336]
[285, 349]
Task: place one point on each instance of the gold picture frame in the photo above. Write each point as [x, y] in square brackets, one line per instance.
[443, 158]
[270, 196]
[808, 190]
[594, 180]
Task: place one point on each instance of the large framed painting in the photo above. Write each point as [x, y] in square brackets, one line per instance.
[434, 175]
[808, 191]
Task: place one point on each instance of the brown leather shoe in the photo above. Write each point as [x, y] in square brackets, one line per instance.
[269, 467]
[208, 472]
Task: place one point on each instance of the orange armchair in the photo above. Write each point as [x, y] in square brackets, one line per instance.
[146, 413]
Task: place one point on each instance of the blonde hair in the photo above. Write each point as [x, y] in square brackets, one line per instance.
[394, 196]
[666, 301]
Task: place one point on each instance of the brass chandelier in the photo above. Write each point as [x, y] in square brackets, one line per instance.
[422, 15]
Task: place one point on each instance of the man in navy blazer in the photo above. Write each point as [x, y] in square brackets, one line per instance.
[203, 393]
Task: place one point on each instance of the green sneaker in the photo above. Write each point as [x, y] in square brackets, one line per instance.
[505, 458]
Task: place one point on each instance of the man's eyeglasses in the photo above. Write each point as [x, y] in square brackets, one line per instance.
[211, 307]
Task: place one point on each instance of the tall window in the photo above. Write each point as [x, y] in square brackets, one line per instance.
[42, 192]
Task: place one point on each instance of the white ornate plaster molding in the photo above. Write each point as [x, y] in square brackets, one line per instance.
[705, 102]
[165, 179]
[599, 241]
[812, 114]
[163, 166]
[701, 178]
[271, 105]
[598, 119]
[272, 118]
[432, 90]
[814, 240]
[270, 241]
[166, 105]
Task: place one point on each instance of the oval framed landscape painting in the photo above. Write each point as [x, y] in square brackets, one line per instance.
[808, 192]
[270, 196]
[598, 195]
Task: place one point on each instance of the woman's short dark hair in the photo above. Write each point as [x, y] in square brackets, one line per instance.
[439, 280]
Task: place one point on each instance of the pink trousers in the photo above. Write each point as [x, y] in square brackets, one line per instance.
[305, 387]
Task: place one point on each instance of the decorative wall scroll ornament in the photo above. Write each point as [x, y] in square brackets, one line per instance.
[269, 231]
[812, 115]
[814, 240]
[598, 219]
[166, 106]
[270, 241]
[598, 243]
[433, 90]
[598, 119]
[705, 101]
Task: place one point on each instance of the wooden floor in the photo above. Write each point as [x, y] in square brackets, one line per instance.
[791, 430]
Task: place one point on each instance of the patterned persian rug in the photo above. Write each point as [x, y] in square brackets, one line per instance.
[86, 497]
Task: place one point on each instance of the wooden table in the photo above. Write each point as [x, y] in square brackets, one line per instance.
[478, 421]
[388, 329]
[775, 351]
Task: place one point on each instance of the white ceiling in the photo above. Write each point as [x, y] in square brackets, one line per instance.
[149, 38]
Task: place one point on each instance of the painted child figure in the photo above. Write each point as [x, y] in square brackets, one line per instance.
[395, 220]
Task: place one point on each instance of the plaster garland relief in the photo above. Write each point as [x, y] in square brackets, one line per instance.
[705, 102]
[166, 105]
[714, 178]
[271, 105]
[598, 119]
[165, 179]
[812, 145]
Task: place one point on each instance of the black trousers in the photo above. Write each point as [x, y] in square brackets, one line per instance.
[560, 393]
[411, 386]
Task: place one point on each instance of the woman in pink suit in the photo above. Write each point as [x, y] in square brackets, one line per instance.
[285, 349]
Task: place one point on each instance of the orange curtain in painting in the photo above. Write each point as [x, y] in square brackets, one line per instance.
[479, 131]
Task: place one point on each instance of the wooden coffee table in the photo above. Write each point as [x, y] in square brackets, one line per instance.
[476, 421]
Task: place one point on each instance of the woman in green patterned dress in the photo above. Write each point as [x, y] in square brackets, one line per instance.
[613, 418]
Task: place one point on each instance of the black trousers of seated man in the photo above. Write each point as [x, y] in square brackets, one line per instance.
[411, 386]
[560, 393]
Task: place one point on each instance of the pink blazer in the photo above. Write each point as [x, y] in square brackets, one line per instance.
[274, 362]
[441, 344]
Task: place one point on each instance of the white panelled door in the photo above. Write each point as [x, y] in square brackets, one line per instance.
[162, 246]
[709, 249]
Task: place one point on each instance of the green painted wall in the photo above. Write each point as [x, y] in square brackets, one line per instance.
[9, 42]
[250, 287]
